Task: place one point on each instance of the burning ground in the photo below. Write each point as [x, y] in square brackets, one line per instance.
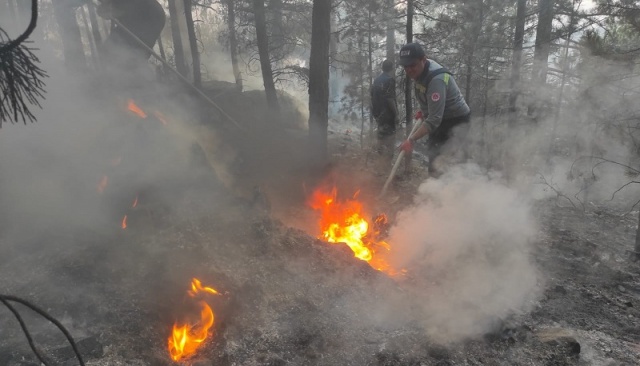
[467, 271]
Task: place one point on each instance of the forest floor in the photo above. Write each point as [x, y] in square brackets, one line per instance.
[288, 298]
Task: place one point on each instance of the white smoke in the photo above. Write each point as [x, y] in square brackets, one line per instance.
[466, 247]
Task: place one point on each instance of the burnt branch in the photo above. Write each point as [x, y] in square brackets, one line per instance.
[21, 82]
[559, 194]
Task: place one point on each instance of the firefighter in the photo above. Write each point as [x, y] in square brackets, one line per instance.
[440, 101]
[144, 18]
[385, 111]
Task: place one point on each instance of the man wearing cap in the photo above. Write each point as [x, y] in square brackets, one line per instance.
[440, 101]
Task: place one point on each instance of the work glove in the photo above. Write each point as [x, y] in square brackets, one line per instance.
[406, 146]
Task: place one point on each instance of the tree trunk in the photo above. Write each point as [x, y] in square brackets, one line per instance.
[92, 42]
[95, 28]
[193, 44]
[363, 94]
[564, 62]
[543, 40]
[370, 66]
[277, 25]
[178, 50]
[319, 81]
[233, 43]
[161, 50]
[263, 51]
[637, 246]
[69, 30]
[391, 32]
[541, 52]
[408, 101]
[335, 87]
[360, 61]
[516, 61]
[485, 97]
[477, 16]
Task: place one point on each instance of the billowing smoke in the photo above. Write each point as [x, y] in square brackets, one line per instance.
[465, 244]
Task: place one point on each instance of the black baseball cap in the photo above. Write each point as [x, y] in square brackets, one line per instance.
[410, 53]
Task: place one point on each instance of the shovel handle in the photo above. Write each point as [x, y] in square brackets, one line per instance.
[393, 173]
[397, 164]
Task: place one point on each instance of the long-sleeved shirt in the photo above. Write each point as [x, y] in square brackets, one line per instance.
[441, 99]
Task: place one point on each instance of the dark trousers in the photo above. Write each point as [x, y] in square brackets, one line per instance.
[386, 139]
[441, 136]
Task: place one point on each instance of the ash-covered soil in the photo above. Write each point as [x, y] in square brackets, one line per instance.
[291, 299]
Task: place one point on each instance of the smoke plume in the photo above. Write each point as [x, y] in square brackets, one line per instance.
[465, 244]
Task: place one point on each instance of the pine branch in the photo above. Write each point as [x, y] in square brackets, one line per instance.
[21, 82]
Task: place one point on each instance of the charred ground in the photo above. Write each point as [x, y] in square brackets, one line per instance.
[289, 298]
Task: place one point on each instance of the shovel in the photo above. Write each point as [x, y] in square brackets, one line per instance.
[397, 163]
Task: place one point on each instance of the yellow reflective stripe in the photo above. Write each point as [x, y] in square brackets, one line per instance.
[446, 79]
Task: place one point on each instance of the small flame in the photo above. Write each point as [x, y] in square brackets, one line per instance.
[124, 222]
[102, 185]
[133, 108]
[342, 222]
[135, 202]
[196, 287]
[186, 338]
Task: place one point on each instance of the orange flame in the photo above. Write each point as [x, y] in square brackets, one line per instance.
[135, 202]
[124, 222]
[186, 338]
[342, 222]
[102, 185]
[133, 107]
[196, 287]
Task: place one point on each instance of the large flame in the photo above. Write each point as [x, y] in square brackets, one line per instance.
[343, 222]
[186, 338]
